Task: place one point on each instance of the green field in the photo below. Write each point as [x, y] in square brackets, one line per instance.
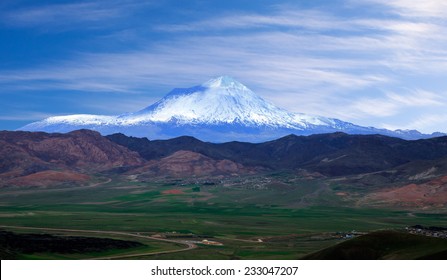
[292, 217]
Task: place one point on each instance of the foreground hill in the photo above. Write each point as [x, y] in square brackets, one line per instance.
[385, 245]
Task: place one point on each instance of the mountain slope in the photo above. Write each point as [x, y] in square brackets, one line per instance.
[428, 194]
[188, 164]
[219, 110]
[32, 156]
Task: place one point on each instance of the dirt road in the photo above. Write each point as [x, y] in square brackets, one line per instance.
[189, 246]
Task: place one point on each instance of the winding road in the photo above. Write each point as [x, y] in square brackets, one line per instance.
[189, 246]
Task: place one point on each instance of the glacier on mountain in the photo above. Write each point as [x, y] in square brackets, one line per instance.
[219, 110]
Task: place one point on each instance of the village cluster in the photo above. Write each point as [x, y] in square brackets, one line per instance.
[439, 232]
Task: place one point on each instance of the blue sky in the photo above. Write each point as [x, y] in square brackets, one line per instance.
[375, 63]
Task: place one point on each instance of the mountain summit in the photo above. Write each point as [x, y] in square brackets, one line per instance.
[219, 110]
[220, 101]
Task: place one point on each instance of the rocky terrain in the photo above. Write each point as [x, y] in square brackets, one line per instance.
[40, 158]
[334, 154]
[428, 194]
[188, 164]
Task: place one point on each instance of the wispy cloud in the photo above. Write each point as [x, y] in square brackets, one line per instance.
[427, 123]
[304, 19]
[24, 116]
[419, 98]
[426, 8]
[392, 103]
[274, 67]
[91, 14]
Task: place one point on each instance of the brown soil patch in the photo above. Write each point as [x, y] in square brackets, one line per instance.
[48, 178]
[187, 163]
[341, 194]
[429, 194]
[174, 191]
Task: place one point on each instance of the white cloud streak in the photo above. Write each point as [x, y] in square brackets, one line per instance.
[414, 8]
[427, 123]
[284, 69]
[300, 19]
[24, 116]
[60, 17]
[393, 103]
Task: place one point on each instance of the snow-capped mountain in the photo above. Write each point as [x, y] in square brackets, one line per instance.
[221, 109]
[220, 101]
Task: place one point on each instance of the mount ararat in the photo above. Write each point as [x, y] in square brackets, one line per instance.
[219, 110]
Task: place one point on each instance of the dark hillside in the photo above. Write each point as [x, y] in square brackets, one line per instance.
[332, 154]
[385, 245]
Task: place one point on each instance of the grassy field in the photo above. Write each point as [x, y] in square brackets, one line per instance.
[294, 217]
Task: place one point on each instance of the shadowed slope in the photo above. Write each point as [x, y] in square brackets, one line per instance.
[385, 245]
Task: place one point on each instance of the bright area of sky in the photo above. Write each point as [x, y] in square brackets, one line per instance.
[375, 63]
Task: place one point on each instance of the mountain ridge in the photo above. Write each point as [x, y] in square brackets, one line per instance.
[333, 154]
[376, 159]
